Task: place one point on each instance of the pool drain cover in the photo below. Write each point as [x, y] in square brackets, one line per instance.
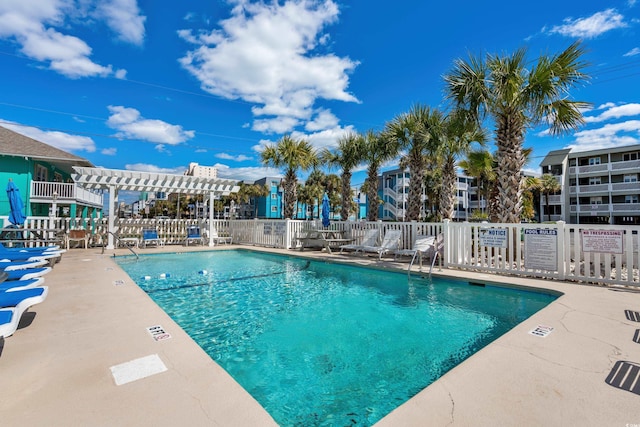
[626, 376]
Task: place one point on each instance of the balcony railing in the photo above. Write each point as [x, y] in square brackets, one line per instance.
[60, 192]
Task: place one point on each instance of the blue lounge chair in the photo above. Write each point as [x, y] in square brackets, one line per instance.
[29, 256]
[8, 322]
[36, 249]
[193, 235]
[20, 265]
[16, 285]
[150, 236]
[14, 303]
[27, 273]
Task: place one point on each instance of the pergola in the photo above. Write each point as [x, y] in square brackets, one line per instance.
[113, 180]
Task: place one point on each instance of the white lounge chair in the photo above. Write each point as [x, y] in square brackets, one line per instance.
[423, 247]
[369, 239]
[390, 242]
[217, 239]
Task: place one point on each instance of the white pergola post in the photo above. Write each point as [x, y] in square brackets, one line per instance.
[113, 199]
[211, 197]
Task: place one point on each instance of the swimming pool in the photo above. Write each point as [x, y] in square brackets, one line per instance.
[324, 344]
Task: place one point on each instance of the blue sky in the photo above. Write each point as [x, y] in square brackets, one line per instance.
[154, 85]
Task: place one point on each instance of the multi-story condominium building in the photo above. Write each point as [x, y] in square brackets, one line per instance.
[597, 186]
[201, 171]
[393, 189]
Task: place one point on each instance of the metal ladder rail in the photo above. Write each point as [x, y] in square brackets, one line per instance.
[117, 237]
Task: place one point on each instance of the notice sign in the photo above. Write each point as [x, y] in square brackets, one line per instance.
[494, 237]
[603, 241]
[541, 249]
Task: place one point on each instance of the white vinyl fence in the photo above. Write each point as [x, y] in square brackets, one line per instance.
[602, 254]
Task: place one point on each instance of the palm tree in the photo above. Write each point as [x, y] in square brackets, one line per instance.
[479, 164]
[418, 132]
[531, 188]
[548, 185]
[378, 148]
[315, 186]
[517, 97]
[460, 133]
[248, 192]
[347, 156]
[293, 155]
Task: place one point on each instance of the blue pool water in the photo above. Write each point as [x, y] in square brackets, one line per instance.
[324, 344]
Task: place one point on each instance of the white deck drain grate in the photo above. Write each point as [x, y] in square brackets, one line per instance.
[541, 331]
[137, 369]
[634, 316]
[158, 333]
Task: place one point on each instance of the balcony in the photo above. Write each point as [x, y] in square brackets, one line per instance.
[589, 189]
[65, 193]
[631, 165]
[598, 208]
[626, 187]
[588, 169]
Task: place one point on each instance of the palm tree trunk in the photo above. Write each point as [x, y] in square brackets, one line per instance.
[509, 138]
[346, 196]
[290, 193]
[416, 171]
[372, 193]
[449, 190]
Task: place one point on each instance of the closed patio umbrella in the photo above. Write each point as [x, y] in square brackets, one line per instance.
[325, 211]
[16, 216]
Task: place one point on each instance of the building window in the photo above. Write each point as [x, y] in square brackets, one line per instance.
[631, 178]
[274, 196]
[41, 173]
[631, 199]
[274, 209]
[57, 177]
[594, 161]
[595, 200]
[274, 183]
[595, 180]
[629, 156]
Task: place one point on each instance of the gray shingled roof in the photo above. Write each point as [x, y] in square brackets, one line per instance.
[15, 144]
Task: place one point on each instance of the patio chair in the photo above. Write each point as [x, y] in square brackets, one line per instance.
[390, 242]
[193, 235]
[217, 238]
[369, 239]
[150, 236]
[79, 236]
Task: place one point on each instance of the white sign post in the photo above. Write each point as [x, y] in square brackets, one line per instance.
[541, 249]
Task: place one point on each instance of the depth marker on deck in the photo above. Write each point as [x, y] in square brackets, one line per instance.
[541, 331]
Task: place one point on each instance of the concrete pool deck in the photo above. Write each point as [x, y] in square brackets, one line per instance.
[55, 370]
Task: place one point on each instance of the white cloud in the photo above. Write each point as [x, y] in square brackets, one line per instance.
[633, 52]
[592, 26]
[323, 120]
[327, 138]
[615, 112]
[609, 135]
[131, 125]
[246, 173]
[123, 17]
[238, 158]
[61, 140]
[269, 55]
[109, 151]
[145, 167]
[41, 27]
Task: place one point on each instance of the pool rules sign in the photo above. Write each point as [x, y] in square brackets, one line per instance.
[541, 249]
